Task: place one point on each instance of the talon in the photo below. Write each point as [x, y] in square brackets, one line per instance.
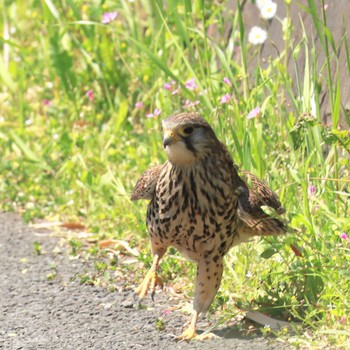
[190, 332]
[205, 336]
[150, 281]
[135, 296]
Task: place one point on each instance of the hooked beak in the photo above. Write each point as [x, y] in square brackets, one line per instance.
[169, 138]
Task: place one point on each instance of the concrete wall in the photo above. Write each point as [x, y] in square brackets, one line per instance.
[337, 17]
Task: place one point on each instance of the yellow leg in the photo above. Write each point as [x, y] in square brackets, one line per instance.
[209, 272]
[190, 332]
[150, 281]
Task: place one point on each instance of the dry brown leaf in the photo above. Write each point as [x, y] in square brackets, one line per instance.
[73, 225]
[106, 243]
[117, 244]
[296, 251]
[81, 123]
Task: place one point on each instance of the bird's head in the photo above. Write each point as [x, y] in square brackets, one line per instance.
[187, 138]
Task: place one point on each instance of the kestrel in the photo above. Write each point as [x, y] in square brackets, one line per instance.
[202, 205]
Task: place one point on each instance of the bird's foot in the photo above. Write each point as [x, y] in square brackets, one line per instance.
[150, 282]
[205, 336]
[190, 334]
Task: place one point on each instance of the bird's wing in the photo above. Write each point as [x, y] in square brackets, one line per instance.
[259, 208]
[260, 195]
[146, 184]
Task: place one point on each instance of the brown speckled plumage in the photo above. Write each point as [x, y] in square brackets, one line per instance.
[146, 184]
[201, 205]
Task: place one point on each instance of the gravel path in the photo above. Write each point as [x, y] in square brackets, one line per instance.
[36, 313]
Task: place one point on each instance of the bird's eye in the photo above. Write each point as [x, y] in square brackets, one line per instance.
[188, 131]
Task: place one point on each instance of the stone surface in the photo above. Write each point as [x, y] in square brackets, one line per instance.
[38, 313]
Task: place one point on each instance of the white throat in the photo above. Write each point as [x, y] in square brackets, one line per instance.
[179, 154]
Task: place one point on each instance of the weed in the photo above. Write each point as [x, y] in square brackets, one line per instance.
[160, 324]
[75, 246]
[37, 248]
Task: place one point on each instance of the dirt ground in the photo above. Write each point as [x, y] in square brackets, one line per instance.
[62, 313]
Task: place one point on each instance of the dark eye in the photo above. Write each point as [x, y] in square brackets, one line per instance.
[188, 130]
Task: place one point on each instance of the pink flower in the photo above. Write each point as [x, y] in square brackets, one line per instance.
[227, 81]
[226, 98]
[311, 189]
[344, 236]
[342, 320]
[171, 86]
[109, 17]
[190, 84]
[155, 113]
[90, 95]
[166, 312]
[188, 104]
[167, 86]
[46, 102]
[254, 113]
[139, 105]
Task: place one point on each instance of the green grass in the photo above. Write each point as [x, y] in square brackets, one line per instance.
[65, 156]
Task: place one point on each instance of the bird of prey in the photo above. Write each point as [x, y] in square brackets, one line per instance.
[201, 204]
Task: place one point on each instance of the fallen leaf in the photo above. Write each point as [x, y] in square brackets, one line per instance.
[296, 251]
[73, 225]
[106, 243]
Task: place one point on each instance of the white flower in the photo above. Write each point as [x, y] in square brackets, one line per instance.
[268, 10]
[278, 259]
[257, 35]
[261, 3]
[29, 205]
